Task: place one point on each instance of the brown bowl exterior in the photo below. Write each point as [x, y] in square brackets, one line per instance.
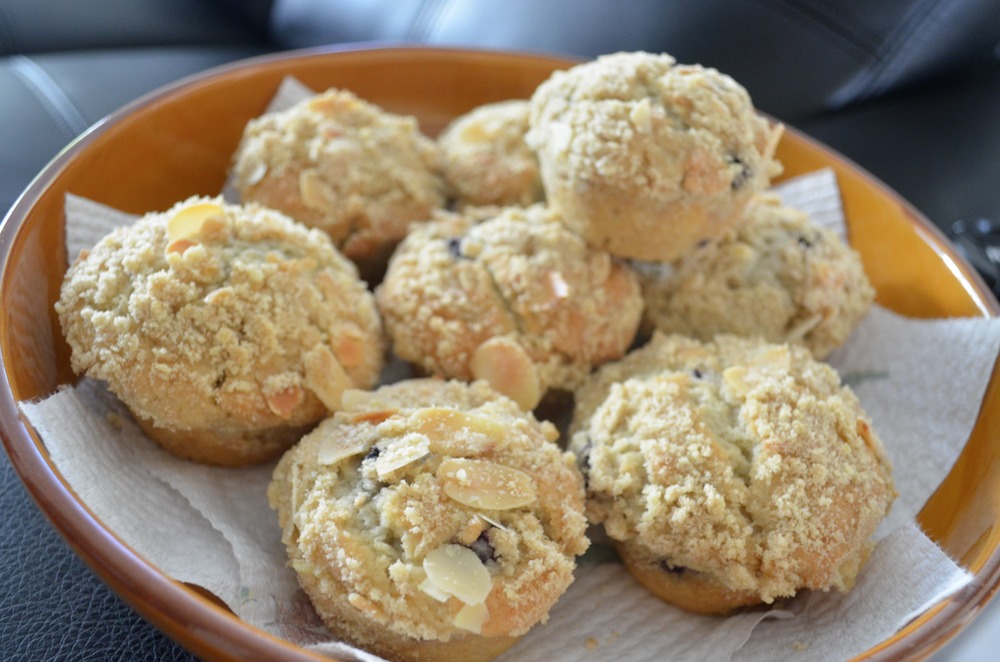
[177, 142]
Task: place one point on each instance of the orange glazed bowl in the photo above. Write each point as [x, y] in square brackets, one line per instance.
[178, 141]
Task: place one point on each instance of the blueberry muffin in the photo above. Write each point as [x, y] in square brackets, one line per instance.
[431, 520]
[730, 473]
[513, 298]
[227, 330]
[645, 157]
[486, 160]
[775, 275]
[343, 165]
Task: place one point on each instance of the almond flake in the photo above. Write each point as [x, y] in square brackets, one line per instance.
[372, 417]
[428, 587]
[509, 370]
[256, 174]
[472, 617]
[406, 451]
[284, 402]
[735, 379]
[454, 432]
[187, 222]
[486, 485]
[315, 193]
[355, 399]
[457, 571]
[325, 376]
[334, 449]
[801, 329]
[493, 521]
[179, 246]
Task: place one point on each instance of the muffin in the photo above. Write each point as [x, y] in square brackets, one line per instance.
[730, 473]
[775, 275]
[227, 330]
[485, 159]
[645, 157]
[345, 166]
[515, 299]
[431, 520]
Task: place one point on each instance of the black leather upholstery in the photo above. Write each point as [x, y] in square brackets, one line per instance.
[909, 89]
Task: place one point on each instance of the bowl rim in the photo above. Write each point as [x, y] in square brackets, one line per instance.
[197, 622]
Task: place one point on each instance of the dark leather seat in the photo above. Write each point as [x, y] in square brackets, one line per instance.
[909, 89]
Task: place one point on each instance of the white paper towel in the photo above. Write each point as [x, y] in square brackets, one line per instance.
[212, 527]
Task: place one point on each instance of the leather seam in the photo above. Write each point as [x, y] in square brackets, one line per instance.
[426, 20]
[835, 32]
[908, 36]
[52, 98]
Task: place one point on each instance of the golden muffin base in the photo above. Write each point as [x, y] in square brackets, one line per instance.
[225, 447]
[691, 591]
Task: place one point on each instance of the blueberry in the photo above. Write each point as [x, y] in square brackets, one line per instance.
[455, 247]
[666, 566]
[484, 548]
[744, 174]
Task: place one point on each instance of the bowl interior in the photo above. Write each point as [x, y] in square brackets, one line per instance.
[177, 142]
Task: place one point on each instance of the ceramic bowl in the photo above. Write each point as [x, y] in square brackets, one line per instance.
[177, 142]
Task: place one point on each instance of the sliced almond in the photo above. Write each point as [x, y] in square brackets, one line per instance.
[428, 587]
[493, 521]
[453, 432]
[179, 246]
[314, 191]
[334, 449]
[408, 450]
[284, 402]
[802, 328]
[735, 379]
[486, 485]
[187, 222]
[505, 366]
[325, 376]
[457, 571]
[865, 432]
[372, 417]
[474, 132]
[472, 617]
[350, 350]
[355, 399]
[641, 116]
[256, 174]
[774, 356]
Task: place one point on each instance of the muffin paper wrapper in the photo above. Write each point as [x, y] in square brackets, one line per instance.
[920, 381]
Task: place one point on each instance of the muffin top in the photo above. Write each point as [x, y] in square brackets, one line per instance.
[431, 509]
[344, 165]
[486, 160]
[642, 120]
[743, 460]
[218, 315]
[775, 275]
[465, 297]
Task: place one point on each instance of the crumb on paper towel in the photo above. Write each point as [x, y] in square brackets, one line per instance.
[591, 643]
[800, 646]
